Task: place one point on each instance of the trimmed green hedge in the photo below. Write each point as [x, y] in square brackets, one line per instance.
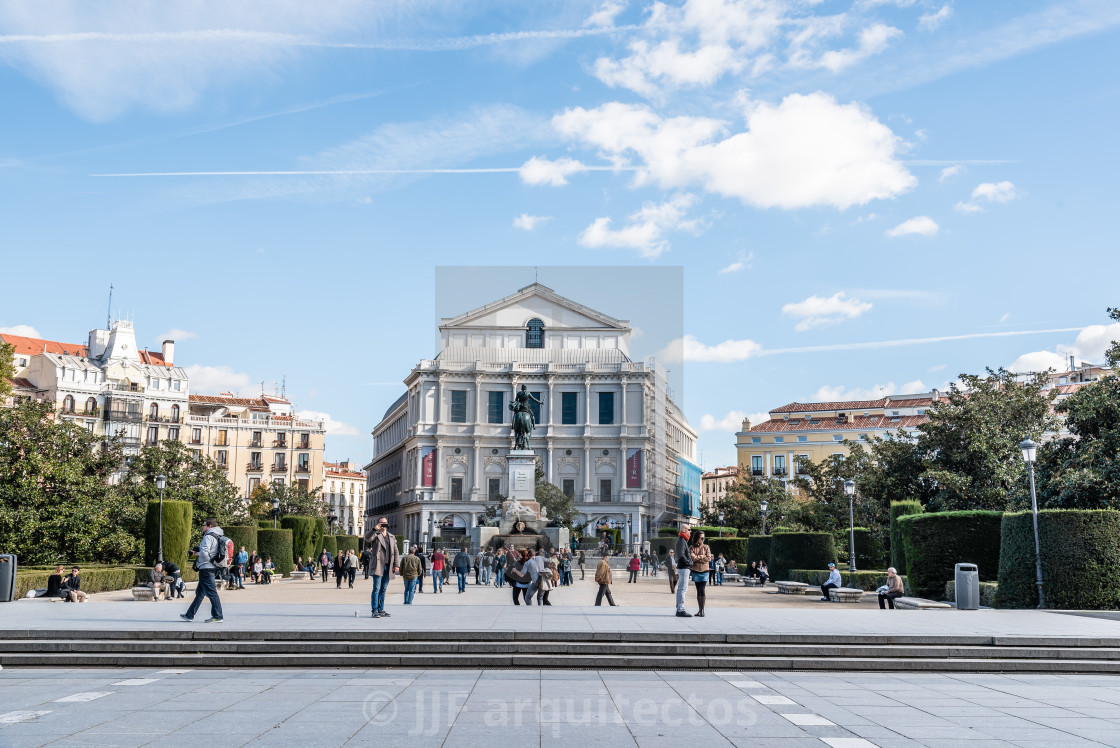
[711, 531]
[304, 542]
[869, 581]
[799, 550]
[93, 580]
[347, 542]
[177, 517]
[615, 533]
[328, 544]
[898, 552]
[987, 592]
[935, 543]
[1080, 551]
[319, 532]
[277, 545]
[242, 535]
[758, 549]
[732, 549]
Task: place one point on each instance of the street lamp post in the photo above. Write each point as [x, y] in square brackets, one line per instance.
[161, 482]
[721, 524]
[765, 507]
[629, 537]
[1030, 452]
[850, 489]
[275, 512]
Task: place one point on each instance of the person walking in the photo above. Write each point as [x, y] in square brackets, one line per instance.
[462, 566]
[671, 569]
[566, 569]
[582, 561]
[364, 558]
[684, 568]
[239, 570]
[207, 553]
[702, 570]
[486, 563]
[712, 571]
[603, 578]
[386, 563]
[478, 566]
[721, 565]
[500, 568]
[351, 567]
[645, 564]
[535, 567]
[339, 568]
[324, 564]
[411, 572]
[546, 582]
[419, 551]
[518, 576]
[438, 561]
[633, 567]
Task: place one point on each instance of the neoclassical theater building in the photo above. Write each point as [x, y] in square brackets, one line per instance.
[608, 433]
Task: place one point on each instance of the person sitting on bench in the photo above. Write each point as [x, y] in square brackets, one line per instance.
[155, 581]
[891, 590]
[834, 582]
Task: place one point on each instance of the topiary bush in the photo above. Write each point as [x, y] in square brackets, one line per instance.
[799, 550]
[319, 533]
[733, 549]
[1080, 550]
[347, 543]
[277, 545]
[177, 516]
[243, 535]
[106, 579]
[758, 549]
[328, 544]
[901, 509]
[869, 554]
[304, 542]
[934, 543]
[868, 581]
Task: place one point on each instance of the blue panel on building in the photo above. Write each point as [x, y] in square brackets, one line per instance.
[688, 488]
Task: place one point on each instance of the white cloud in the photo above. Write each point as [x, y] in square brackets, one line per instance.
[605, 15]
[647, 227]
[951, 171]
[931, 21]
[24, 331]
[1039, 361]
[527, 222]
[730, 422]
[691, 349]
[836, 393]
[538, 170]
[1089, 346]
[872, 40]
[333, 426]
[920, 225]
[211, 380]
[743, 263]
[819, 311]
[176, 334]
[1004, 317]
[966, 207]
[806, 151]
[992, 192]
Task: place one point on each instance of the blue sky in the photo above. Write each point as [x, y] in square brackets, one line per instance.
[831, 176]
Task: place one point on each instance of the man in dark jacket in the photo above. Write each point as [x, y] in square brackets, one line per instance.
[385, 564]
[684, 566]
[462, 564]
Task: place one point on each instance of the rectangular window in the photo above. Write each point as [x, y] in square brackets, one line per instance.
[495, 406]
[256, 439]
[535, 407]
[277, 481]
[779, 439]
[197, 453]
[222, 456]
[175, 385]
[153, 435]
[802, 464]
[303, 484]
[223, 438]
[756, 465]
[837, 437]
[458, 406]
[196, 436]
[457, 489]
[606, 408]
[604, 490]
[305, 441]
[280, 461]
[304, 462]
[570, 488]
[802, 438]
[779, 465]
[494, 488]
[569, 407]
[255, 460]
[756, 440]
[254, 483]
[863, 437]
[281, 440]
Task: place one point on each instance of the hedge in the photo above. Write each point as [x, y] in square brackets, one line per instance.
[758, 549]
[304, 542]
[319, 533]
[242, 535]
[987, 592]
[347, 543]
[733, 549]
[799, 550]
[614, 532]
[177, 517]
[277, 545]
[713, 532]
[93, 580]
[328, 544]
[869, 555]
[935, 543]
[1080, 550]
[898, 552]
[868, 581]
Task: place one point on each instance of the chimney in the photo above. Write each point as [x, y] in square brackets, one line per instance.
[936, 395]
[1072, 363]
[169, 352]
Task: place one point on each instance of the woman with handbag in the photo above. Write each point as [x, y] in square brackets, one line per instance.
[701, 561]
[547, 581]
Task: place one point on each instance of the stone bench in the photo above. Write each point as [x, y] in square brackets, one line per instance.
[918, 603]
[846, 595]
[792, 588]
[751, 582]
[143, 593]
[299, 575]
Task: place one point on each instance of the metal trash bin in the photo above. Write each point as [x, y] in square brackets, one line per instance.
[7, 577]
[967, 587]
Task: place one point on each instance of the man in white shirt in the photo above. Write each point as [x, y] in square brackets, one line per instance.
[833, 582]
[534, 566]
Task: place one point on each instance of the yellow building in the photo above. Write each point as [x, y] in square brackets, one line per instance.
[714, 485]
[815, 431]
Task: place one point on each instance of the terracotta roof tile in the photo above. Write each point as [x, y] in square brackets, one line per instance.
[780, 425]
[23, 383]
[243, 402]
[838, 405]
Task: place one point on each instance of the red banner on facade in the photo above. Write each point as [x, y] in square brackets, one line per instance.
[428, 468]
[634, 468]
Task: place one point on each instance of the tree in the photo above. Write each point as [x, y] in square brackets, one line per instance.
[559, 505]
[55, 500]
[742, 506]
[294, 499]
[7, 369]
[1113, 352]
[822, 483]
[200, 481]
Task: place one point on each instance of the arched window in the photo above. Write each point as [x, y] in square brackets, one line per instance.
[153, 412]
[68, 404]
[174, 413]
[534, 334]
[91, 406]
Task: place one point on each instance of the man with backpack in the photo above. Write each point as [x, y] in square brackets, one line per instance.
[212, 558]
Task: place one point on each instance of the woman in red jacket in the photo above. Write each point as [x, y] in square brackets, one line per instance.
[635, 564]
[437, 571]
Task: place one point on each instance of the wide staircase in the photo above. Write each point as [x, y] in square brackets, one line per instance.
[551, 650]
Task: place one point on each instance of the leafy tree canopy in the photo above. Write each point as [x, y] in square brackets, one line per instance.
[200, 481]
[7, 369]
[559, 506]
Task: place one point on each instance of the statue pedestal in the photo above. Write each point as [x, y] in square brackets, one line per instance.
[521, 512]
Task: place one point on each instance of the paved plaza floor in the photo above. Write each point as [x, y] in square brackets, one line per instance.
[553, 708]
